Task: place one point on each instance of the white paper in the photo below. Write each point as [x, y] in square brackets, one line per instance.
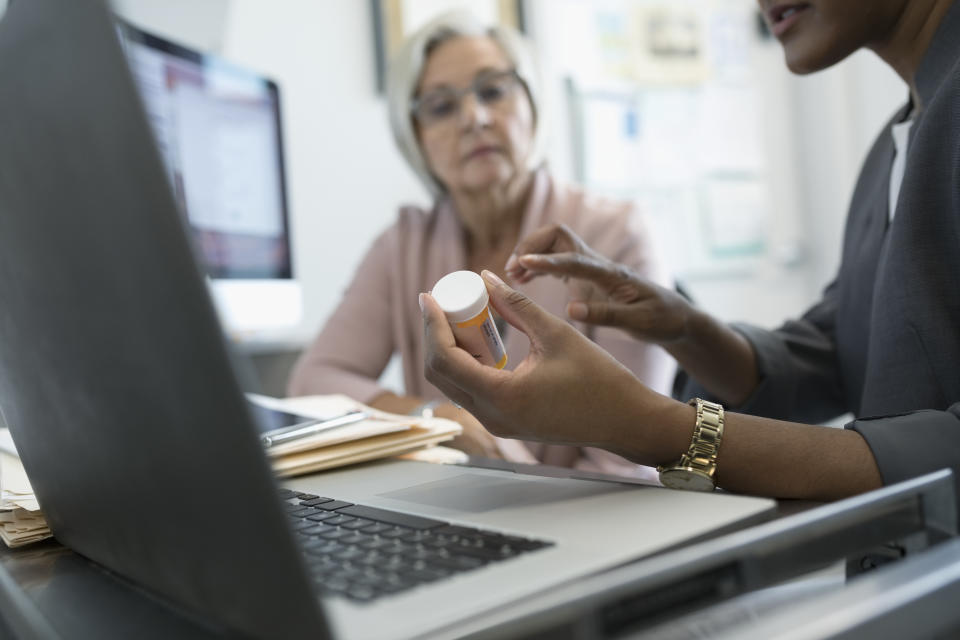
[6, 442]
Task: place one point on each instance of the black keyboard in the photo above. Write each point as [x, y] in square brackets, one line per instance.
[363, 553]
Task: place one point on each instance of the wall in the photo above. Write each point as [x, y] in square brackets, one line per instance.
[838, 114]
[346, 179]
[199, 24]
[816, 131]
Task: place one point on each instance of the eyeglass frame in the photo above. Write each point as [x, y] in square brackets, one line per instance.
[459, 94]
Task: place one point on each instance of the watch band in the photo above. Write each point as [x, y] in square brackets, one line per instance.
[707, 433]
[701, 457]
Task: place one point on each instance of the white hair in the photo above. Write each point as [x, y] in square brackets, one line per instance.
[407, 67]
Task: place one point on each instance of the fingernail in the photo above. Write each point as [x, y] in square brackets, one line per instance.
[493, 278]
[577, 310]
[420, 301]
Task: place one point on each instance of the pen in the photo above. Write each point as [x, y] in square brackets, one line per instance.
[279, 436]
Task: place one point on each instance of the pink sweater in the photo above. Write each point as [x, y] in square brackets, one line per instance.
[379, 314]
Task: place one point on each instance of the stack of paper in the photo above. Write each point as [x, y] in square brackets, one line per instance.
[380, 435]
[20, 519]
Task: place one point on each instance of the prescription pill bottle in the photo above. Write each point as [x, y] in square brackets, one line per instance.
[463, 297]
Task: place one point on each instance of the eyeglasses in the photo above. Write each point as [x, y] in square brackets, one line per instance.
[491, 88]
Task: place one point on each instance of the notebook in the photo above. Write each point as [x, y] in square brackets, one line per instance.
[116, 382]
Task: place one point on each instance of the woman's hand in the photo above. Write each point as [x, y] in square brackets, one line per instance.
[474, 440]
[602, 292]
[567, 390]
[606, 293]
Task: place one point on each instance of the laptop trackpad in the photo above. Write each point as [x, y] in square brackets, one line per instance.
[476, 493]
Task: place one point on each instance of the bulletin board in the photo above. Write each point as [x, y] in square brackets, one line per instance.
[668, 115]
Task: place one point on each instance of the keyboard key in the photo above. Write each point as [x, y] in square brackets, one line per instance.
[306, 496]
[419, 535]
[481, 553]
[362, 553]
[423, 572]
[367, 580]
[299, 525]
[377, 527]
[331, 547]
[387, 588]
[457, 563]
[361, 593]
[372, 559]
[328, 583]
[315, 501]
[317, 529]
[335, 534]
[333, 505]
[314, 543]
[533, 545]
[319, 563]
[455, 530]
[374, 543]
[322, 516]
[396, 564]
[440, 542]
[350, 553]
[353, 539]
[392, 517]
[397, 548]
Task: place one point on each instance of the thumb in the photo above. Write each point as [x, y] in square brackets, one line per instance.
[517, 309]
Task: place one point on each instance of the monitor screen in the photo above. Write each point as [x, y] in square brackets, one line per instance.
[218, 130]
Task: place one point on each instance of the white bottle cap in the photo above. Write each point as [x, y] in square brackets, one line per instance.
[461, 295]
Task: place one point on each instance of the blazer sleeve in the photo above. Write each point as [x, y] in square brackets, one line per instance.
[797, 366]
[912, 444]
[356, 343]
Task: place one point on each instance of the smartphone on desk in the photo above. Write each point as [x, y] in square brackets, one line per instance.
[271, 420]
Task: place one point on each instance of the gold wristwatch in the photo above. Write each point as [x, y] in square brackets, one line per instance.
[696, 470]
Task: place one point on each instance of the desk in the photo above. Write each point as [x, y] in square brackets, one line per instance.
[72, 597]
[48, 591]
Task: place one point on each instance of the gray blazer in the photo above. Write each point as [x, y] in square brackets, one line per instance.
[884, 342]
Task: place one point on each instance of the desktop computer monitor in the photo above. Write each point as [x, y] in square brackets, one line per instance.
[218, 130]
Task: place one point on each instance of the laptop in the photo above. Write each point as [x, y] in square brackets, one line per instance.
[118, 387]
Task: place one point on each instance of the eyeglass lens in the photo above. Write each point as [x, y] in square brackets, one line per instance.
[441, 104]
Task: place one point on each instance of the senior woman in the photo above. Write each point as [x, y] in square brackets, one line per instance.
[465, 112]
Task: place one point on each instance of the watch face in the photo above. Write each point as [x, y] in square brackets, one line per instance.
[686, 478]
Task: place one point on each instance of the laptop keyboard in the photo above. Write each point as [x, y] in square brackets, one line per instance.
[363, 553]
